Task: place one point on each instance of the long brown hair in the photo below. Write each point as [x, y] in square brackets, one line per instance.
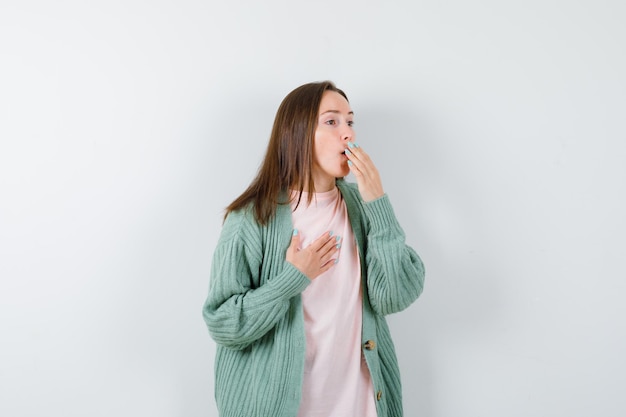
[288, 161]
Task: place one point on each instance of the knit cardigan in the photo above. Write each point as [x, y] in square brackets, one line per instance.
[254, 310]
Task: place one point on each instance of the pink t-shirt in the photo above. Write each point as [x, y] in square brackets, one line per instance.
[337, 382]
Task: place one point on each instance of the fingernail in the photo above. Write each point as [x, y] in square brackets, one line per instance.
[348, 152]
[338, 238]
[295, 232]
[330, 233]
[356, 145]
[349, 163]
[336, 260]
[351, 145]
[338, 245]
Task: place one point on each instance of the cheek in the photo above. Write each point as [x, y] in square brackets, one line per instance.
[321, 146]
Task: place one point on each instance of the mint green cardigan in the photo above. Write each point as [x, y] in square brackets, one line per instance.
[254, 311]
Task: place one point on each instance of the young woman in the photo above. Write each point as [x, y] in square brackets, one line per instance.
[305, 270]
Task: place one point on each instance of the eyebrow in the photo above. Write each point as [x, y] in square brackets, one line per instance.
[336, 111]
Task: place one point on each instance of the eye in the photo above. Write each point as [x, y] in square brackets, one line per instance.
[331, 122]
[350, 123]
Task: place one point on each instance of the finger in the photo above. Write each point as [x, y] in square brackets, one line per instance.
[355, 149]
[362, 155]
[365, 172]
[355, 164]
[321, 241]
[330, 247]
[331, 255]
[361, 164]
[295, 241]
[329, 264]
[359, 159]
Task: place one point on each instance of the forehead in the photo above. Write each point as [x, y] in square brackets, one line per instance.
[333, 101]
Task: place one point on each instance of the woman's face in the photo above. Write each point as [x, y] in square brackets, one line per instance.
[334, 130]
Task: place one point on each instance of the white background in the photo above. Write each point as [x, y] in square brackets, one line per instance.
[498, 127]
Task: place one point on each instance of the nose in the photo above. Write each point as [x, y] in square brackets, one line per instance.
[346, 132]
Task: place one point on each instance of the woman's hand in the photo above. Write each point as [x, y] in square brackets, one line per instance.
[316, 258]
[365, 172]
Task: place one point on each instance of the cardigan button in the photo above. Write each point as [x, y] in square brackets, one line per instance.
[379, 395]
[370, 345]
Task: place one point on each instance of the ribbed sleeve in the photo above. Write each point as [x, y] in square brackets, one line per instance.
[395, 273]
[238, 311]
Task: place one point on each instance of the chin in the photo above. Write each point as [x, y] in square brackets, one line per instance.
[343, 173]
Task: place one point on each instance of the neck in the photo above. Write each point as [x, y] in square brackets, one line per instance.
[323, 184]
